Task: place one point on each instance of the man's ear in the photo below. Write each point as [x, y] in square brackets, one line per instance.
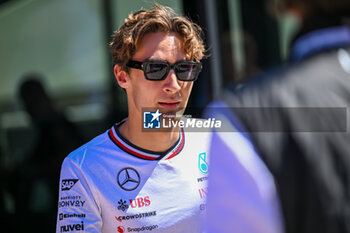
[121, 76]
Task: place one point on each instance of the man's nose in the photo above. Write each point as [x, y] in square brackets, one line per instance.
[172, 84]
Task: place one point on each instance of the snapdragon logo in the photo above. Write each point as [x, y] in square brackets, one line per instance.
[144, 228]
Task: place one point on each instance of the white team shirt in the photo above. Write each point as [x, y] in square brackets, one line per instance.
[112, 186]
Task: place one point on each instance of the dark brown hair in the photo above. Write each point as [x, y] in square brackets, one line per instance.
[160, 18]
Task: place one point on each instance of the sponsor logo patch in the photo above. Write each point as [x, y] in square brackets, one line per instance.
[201, 179]
[71, 198]
[144, 228]
[202, 192]
[74, 227]
[128, 179]
[140, 202]
[120, 229]
[68, 184]
[202, 163]
[136, 216]
[63, 216]
[134, 203]
[123, 206]
[76, 203]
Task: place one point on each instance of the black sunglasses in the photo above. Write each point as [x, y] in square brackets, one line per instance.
[159, 70]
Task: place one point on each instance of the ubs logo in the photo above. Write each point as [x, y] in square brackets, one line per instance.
[136, 203]
[128, 179]
[140, 202]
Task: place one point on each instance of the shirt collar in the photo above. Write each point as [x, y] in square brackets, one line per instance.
[318, 41]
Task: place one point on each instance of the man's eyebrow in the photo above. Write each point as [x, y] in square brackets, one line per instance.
[158, 59]
[152, 59]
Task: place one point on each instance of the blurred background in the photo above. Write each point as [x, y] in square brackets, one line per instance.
[57, 88]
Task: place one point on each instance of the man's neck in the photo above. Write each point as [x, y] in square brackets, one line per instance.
[154, 141]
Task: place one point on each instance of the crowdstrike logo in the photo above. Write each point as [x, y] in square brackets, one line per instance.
[136, 216]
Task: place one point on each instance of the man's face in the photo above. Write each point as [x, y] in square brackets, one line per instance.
[170, 94]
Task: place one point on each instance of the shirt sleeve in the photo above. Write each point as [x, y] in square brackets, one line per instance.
[241, 190]
[78, 209]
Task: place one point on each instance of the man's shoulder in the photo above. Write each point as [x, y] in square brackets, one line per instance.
[293, 85]
[87, 150]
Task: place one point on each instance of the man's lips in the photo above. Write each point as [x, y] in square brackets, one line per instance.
[169, 103]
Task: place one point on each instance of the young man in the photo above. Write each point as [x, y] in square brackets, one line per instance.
[128, 179]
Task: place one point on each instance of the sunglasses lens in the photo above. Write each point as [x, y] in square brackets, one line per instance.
[158, 70]
[187, 71]
[155, 71]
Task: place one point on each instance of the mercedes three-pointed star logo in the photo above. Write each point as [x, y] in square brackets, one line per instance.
[128, 179]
